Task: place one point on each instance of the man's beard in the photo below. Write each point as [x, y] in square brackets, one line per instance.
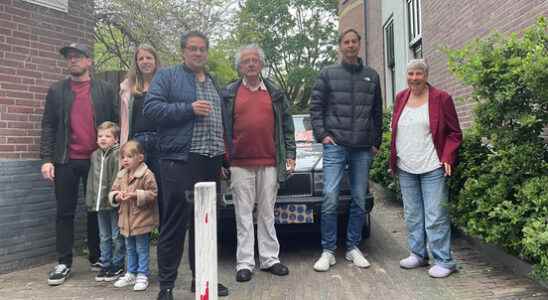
[77, 72]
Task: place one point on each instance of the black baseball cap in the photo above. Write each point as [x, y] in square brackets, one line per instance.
[76, 47]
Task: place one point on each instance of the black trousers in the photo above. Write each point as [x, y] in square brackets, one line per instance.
[177, 214]
[67, 183]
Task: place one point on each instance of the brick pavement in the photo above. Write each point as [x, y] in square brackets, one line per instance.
[476, 279]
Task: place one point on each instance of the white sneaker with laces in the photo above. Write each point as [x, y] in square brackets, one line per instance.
[413, 261]
[326, 260]
[127, 279]
[356, 256]
[141, 282]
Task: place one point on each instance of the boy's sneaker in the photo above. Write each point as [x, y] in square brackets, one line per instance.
[58, 275]
[96, 266]
[101, 275]
[326, 260]
[357, 258]
[141, 282]
[114, 273]
[128, 279]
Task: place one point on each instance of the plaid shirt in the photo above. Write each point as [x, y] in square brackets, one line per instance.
[207, 136]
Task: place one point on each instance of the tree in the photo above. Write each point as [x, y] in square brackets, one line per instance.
[122, 25]
[298, 38]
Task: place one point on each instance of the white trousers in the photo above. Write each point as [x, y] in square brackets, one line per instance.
[252, 185]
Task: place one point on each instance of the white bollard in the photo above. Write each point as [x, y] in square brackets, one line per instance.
[205, 235]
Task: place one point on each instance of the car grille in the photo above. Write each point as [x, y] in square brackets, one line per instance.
[298, 184]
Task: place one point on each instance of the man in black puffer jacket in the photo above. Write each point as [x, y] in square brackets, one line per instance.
[346, 113]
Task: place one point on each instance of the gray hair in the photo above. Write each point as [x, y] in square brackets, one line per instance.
[248, 47]
[418, 64]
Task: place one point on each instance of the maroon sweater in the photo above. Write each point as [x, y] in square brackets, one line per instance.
[83, 138]
[253, 139]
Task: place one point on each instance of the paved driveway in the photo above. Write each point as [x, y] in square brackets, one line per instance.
[476, 278]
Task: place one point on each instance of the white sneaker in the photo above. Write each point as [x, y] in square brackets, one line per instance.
[356, 256]
[127, 279]
[438, 271]
[326, 260]
[141, 282]
[412, 262]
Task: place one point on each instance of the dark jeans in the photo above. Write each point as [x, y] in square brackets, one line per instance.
[67, 183]
[149, 141]
[178, 178]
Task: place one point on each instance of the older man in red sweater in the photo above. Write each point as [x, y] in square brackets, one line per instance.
[261, 150]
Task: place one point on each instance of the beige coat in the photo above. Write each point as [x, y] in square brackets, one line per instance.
[139, 216]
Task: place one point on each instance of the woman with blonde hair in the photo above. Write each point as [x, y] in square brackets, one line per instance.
[133, 91]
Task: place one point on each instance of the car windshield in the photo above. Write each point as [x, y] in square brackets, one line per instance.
[303, 129]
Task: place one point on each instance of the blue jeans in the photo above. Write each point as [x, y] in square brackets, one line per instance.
[111, 241]
[426, 215]
[138, 254]
[335, 159]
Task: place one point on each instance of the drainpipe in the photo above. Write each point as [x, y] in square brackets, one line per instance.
[365, 31]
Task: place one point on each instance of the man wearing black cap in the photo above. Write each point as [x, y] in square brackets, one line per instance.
[74, 107]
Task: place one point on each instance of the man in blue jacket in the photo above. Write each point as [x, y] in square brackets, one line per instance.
[185, 104]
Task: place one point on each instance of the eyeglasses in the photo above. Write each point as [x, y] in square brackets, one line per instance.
[251, 60]
[196, 49]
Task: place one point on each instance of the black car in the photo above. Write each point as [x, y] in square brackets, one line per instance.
[300, 196]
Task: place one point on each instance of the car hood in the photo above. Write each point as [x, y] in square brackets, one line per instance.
[309, 157]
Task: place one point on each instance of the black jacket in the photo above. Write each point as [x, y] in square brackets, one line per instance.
[55, 140]
[346, 104]
[284, 130]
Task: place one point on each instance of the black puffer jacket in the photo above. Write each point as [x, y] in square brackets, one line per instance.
[346, 104]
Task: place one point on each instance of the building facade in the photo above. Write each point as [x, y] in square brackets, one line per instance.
[31, 33]
[421, 28]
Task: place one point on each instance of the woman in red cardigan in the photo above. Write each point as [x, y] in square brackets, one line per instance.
[425, 139]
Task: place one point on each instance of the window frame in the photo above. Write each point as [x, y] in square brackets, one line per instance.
[414, 26]
[60, 5]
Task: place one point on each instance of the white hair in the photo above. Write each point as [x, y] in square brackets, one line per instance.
[418, 64]
[248, 47]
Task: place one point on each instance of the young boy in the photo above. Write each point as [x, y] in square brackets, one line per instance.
[135, 191]
[104, 166]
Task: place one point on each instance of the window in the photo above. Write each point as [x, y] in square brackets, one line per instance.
[414, 26]
[61, 5]
[389, 54]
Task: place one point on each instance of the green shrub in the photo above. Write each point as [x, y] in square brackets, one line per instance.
[535, 230]
[379, 171]
[499, 191]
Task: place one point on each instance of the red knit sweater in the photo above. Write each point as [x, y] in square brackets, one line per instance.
[83, 138]
[253, 139]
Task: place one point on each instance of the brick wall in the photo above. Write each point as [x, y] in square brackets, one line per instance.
[30, 37]
[453, 23]
[375, 42]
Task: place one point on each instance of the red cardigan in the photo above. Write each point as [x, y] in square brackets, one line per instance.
[444, 125]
